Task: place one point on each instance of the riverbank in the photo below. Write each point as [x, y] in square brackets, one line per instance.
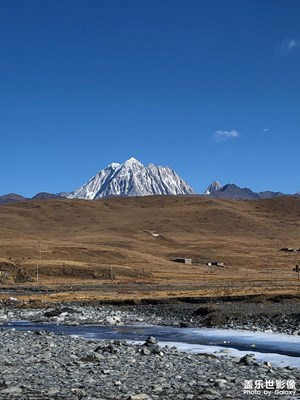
[259, 313]
[39, 365]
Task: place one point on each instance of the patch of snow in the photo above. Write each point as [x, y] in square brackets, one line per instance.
[213, 187]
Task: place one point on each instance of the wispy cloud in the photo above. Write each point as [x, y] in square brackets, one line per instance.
[265, 130]
[292, 43]
[288, 46]
[221, 136]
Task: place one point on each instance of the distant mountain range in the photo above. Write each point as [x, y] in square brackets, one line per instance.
[12, 197]
[132, 178]
[232, 191]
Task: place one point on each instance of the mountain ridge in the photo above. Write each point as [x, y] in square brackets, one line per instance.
[11, 198]
[14, 198]
[131, 178]
[232, 191]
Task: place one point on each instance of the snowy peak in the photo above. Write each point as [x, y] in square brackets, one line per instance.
[213, 187]
[132, 178]
[132, 162]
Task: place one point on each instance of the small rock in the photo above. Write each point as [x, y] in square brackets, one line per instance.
[105, 371]
[140, 396]
[12, 390]
[268, 364]
[78, 392]
[157, 388]
[151, 340]
[248, 359]
[114, 320]
[12, 299]
[52, 391]
[210, 391]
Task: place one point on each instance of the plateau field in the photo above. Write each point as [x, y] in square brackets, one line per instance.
[124, 247]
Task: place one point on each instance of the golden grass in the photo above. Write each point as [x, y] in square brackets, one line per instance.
[135, 240]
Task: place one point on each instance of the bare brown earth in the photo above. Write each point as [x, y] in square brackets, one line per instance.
[78, 247]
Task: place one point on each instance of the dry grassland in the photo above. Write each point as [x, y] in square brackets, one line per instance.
[133, 240]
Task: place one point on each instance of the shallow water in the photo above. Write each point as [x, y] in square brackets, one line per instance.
[280, 349]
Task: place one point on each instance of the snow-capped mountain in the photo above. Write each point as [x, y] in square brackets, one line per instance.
[132, 178]
[213, 187]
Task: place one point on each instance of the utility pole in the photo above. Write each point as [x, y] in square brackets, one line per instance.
[38, 262]
[297, 269]
[37, 271]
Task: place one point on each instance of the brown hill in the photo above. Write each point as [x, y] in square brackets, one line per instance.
[135, 239]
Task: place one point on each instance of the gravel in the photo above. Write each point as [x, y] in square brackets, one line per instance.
[268, 316]
[41, 365]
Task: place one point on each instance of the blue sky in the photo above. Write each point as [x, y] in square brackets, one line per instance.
[210, 88]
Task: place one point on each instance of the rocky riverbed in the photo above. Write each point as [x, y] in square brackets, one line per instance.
[261, 315]
[276, 314]
[39, 365]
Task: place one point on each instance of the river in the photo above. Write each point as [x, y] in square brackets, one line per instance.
[280, 349]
